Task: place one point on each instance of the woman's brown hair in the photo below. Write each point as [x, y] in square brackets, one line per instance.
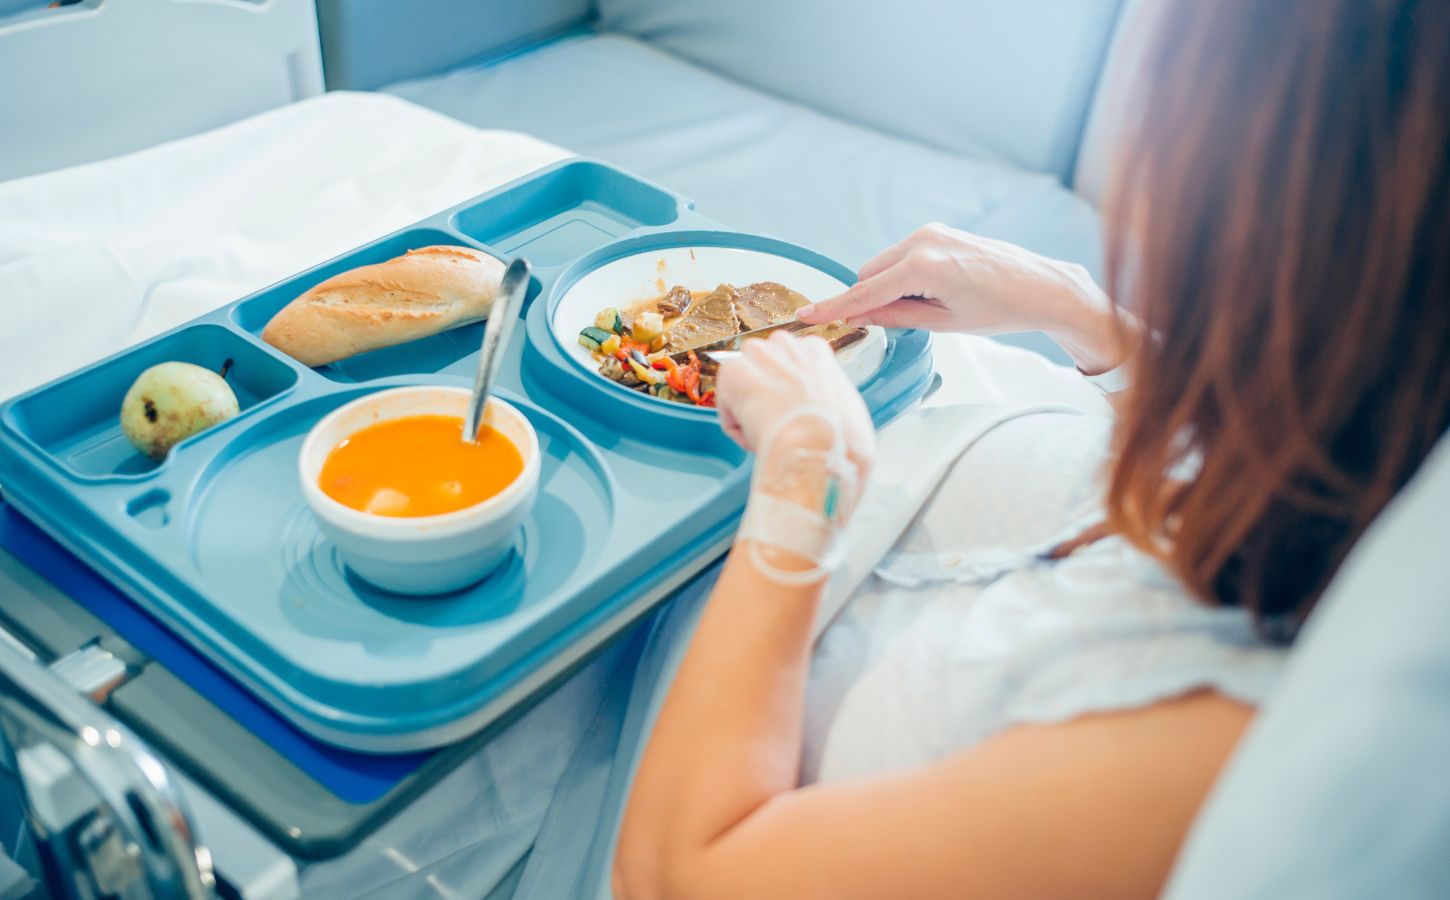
[1280, 223]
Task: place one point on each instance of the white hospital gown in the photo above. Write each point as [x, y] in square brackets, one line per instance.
[961, 633]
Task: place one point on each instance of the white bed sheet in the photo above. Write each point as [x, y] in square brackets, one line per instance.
[97, 257]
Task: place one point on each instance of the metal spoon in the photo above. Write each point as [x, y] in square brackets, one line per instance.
[501, 318]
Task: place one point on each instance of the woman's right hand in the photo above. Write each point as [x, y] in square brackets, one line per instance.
[776, 379]
[942, 279]
[789, 394]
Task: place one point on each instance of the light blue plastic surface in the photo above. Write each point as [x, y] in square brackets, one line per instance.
[217, 542]
[1004, 79]
[367, 43]
[759, 162]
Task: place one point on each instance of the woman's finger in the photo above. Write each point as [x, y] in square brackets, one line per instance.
[730, 426]
[906, 312]
[727, 397]
[862, 297]
[885, 259]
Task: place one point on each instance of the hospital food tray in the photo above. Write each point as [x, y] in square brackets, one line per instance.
[216, 543]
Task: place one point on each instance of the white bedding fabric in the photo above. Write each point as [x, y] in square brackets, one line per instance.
[756, 161]
[97, 257]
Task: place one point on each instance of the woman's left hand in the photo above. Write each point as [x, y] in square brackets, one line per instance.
[947, 280]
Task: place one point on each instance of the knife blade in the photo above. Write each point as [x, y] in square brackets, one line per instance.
[735, 341]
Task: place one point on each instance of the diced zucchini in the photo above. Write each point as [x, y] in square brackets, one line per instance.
[610, 319]
[593, 338]
[647, 327]
[611, 346]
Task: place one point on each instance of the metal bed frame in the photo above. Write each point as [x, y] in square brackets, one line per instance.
[107, 818]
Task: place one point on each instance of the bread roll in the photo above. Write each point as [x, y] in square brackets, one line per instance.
[423, 292]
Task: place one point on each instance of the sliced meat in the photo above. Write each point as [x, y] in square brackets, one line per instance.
[847, 338]
[766, 303]
[838, 334]
[675, 302]
[711, 318]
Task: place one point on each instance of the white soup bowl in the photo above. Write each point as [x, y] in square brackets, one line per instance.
[421, 554]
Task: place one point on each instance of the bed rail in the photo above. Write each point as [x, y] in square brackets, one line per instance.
[101, 803]
[105, 77]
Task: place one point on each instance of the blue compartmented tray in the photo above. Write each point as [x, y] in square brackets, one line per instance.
[636, 495]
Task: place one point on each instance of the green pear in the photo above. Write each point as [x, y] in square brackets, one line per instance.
[170, 402]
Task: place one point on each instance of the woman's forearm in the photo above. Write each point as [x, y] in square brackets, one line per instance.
[728, 737]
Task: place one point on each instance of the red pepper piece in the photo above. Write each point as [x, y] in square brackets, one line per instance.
[691, 377]
[707, 399]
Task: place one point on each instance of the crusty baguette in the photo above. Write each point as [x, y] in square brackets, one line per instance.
[423, 292]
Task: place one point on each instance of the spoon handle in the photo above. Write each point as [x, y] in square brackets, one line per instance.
[496, 331]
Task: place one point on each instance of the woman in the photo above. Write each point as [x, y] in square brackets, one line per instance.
[1280, 228]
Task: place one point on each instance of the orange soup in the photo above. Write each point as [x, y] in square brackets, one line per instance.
[418, 466]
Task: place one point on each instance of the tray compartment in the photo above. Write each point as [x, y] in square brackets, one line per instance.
[439, 353]
[279, 591]
[76, 421]
[151, 508]
[253, 313]
[565, 213]
[421, 357]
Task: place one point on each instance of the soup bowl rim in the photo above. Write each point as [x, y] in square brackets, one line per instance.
[498, 413]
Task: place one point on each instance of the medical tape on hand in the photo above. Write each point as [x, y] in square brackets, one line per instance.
[787, 525]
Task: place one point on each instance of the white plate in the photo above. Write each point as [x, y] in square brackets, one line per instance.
[630, 279]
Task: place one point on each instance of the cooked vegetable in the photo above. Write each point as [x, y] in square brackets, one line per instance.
[641, 368]
[690, 375]
[610, 319]
[661, 376]
[628, 345]
[648, 326]
[593, 338]
[683, 380]
[676, 379]
[632, 346]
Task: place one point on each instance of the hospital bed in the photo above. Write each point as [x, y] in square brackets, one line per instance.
[779, 130]
[90, 80]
